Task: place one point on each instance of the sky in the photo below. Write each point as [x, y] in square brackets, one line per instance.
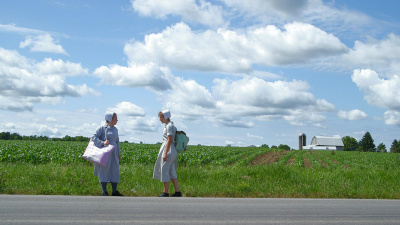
[231, 72]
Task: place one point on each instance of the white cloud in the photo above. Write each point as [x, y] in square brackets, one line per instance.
[178, 47]
[203, 12]
[381, 55]
[354, 114]
[51, 119]
[42, 43]
[254, 136]
[146, 75]
[278, 8]
[22, 30]
[24, 82]
[236, 103]
[380, 92]
[129, 109]
[392, 117]
[59, 67]
[377, 91]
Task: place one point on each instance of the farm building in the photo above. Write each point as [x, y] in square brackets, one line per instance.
[325, 143]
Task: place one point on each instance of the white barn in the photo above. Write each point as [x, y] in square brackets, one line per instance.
[325, 143]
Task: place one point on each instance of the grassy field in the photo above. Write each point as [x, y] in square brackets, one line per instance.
[34, 167]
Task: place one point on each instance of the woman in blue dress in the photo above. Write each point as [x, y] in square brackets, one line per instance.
[107, 134]
[166, 164]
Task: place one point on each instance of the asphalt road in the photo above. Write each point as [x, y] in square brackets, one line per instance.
[26, 209]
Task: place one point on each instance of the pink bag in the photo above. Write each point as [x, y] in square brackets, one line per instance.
[97, 155]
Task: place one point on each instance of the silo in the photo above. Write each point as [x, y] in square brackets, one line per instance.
[302, 141]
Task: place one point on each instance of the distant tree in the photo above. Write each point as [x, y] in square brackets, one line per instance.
[350, 143]
[15, 136]
[284, 147]
[274, 146]
[5, 135]
[381, 148]
[395, 147]
[67, 138]
[264, 146]
[367, 143]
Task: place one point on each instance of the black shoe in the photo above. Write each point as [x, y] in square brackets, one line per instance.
[104, 194]
[116, 194]
[177, 194]
[164, 195]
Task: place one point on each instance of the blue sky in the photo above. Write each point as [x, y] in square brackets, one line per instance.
[231, 72]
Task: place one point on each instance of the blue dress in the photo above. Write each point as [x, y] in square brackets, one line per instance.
[166, 171]
[110, 172]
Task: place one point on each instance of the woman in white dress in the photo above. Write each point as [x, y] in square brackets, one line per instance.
[107, 134]
[166, 164]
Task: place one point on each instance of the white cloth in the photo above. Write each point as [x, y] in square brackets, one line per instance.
[166, 113]
[108, 117]
[110, 172]
[166, 171]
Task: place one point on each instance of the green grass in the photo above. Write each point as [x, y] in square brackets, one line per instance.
[54, 168]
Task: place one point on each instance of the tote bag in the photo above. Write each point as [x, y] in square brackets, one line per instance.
[97, 155]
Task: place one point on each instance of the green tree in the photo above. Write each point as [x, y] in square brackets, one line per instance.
[350, 143]
[367, 143]
[284, 147]
[381, 148]
[264, 146]
[395, 147]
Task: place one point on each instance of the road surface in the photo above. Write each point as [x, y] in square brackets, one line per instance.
[27, 209]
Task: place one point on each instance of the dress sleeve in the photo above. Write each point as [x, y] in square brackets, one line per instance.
[98, 137]
[171, 130]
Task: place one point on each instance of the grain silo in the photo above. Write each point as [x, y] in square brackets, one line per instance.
[302, 141]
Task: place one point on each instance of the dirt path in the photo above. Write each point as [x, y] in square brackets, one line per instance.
[268, 158]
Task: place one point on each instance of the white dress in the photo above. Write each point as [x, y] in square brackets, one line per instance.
[110, 172]
[166, 171]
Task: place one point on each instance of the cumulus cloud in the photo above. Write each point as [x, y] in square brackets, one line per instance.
[392, 117]
[354, 114]
[235, 103]
[178, 47]
[24, 82]
[129, 109]
[193, 11]
[42, 43]
[136, 75]
[281, 8]
[378, 91]
[381, 55]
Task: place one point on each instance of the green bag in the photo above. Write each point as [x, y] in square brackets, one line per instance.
[181, 141]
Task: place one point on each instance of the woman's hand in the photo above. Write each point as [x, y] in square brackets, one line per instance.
[164, 157]
[167, 147]
[106, 142]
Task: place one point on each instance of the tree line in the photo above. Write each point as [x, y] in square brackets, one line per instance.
[15, 136]
[366, 144]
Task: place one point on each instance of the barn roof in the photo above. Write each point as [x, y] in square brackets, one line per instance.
[327, 141]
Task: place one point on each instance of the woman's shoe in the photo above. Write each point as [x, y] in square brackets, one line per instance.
[177, 194]
[116, 194]
[164, 195]
[104, 194]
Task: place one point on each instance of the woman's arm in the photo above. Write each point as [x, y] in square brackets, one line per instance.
[97, 137]
[168, 147]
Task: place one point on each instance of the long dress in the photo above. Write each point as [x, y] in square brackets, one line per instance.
[166, 171]
[110, 172]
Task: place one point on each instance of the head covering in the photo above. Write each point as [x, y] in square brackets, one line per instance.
[109, 116]
[166, 113]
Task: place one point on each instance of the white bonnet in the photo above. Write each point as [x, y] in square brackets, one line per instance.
[109, 116]
[166, 113]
